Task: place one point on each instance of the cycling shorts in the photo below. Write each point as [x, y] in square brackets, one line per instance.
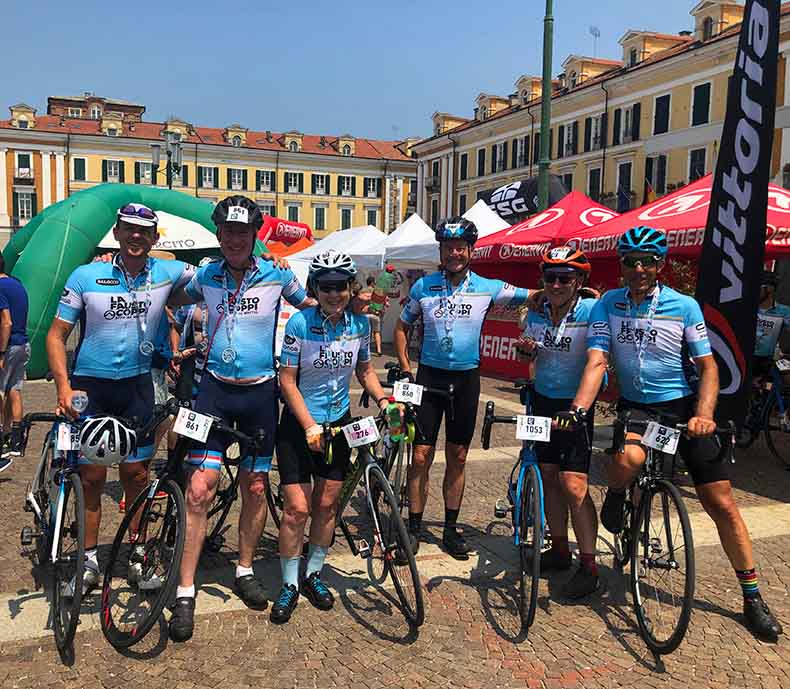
[298, 464]
[762, 366]
[702, 456]
[460, 428]
[569, 449]
[246, 407]
[129, 398]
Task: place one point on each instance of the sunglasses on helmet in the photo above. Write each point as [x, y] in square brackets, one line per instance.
[645, 261]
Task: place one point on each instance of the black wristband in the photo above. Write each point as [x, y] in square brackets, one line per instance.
[378, 401]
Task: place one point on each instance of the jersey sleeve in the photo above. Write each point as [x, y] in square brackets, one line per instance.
[293, 292]
[695, 331]
[295, 333]
[71, 302]
[194, 288]
[183, 276]
[506, 294]
[4, 302]
[599, 334]
[412, 308]
[364, 345]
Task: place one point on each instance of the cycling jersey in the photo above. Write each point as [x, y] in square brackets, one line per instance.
[114, 319]
[452, 323]
[770, 323]
[675, 332]
[249, 328]
[562, 352]
[326, 356]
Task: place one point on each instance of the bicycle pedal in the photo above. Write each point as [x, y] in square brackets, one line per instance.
[502, 508]
[655, 546]
[27, 535]
[27, 507]
[363, 548]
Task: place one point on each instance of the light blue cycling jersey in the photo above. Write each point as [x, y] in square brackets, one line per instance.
[253, 318]
[464, 313]
[561, 356]
[326, 356]
[676, 333]
[111, 315]
[770, 323]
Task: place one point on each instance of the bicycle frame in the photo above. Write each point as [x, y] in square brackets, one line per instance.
[365, 463]
[527, 459]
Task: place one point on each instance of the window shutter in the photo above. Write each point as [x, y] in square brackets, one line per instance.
[137, 172]
[561, 141]
[636, 114]
[481, 162]
[378, 187]
[327, 181]
[618, 120]
[700, 108]
[228, 177]
[575, 137]
[313, 183]
[535, 148]
[301, 182]
[587, 133]
[493, 158]
[504, 155]
[244, 180]
[258, 180]
[354, 186]
[33, 204]
[525, 162]
[340, 185]
[273, 180]
[200, 175]
[103, 170]
[649, 173]
[121, 172]
[514, 154]
[661, 175]
[15, 203]
[184, 176]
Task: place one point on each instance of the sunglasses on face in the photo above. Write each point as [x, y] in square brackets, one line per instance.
[643, 261]
[327, 287]
[551, 278]
[142, 212]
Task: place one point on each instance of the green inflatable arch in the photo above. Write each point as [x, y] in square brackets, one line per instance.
[65, 235]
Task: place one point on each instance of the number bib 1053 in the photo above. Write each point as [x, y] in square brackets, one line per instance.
[661, 438]
[192, 424]
[362, 432]
[534, 428]
[410, 393]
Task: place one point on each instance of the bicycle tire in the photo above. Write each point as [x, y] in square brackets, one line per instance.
[123, 628]
[399, 483]
[224, 497]
[274, 497]
[69, 563]
[398, 557]
[530, 546]
[657, 549]
[42, 547]
[772, 427]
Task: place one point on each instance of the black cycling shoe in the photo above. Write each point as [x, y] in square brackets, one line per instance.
[612, 511]
[182, 621]
[285, 604]
[581, 584]
[760, 620]
[251, 592]
[317, 593]
[455, 544]
[552, 560]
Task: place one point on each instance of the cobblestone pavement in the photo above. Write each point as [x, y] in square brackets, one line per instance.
[471, 634]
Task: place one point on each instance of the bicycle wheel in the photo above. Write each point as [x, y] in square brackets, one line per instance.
[662, 567]
[274, 497]
[141, 577]
[776, 436]
[227, 492]
[69, 564]
[396, 549]
[530, 531]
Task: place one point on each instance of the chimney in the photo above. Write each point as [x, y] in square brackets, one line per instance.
[268, 136]
[322, 142]
[685, 32]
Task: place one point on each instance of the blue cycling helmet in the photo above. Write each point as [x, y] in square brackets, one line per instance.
[643, 238]
[456, 228]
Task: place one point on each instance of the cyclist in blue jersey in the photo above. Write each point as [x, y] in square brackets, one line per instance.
[555, 336]
[322, 347]
[119, 306]
[452, 304]
[649, 332]
[773, 327]
[242, 296]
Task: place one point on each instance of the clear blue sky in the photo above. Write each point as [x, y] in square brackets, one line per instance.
[376, 69]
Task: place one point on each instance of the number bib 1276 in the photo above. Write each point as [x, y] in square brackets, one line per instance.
[362, 432]
[534, 428]
[407, 392]
[192, 424]
[661, 438]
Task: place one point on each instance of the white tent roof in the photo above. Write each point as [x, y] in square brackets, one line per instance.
[364, 244]
[412, 245]
[487, 221]
[175, 234]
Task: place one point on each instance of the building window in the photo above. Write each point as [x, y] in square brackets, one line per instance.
[236, 141]
[594, 183]
[463, 172]
[345, 185]
[346, 150]
[22, 123]
[656, 173]
[624, 187]
[707, 28]
[632, 57]
[345, 218]
[145, 172]
[522, 151]
[434, 213]
[567, 181]
[481, 162]
[266, 209]
[661, 115]
[373, 219]
[96, 112]
[595, 136]
[572, 80]
[75, 112]
[236, 178]
[371, 188]
[525, 97]
[435, 169]
[23, 165]
[113, 170]
[483, 113]
[498, 157]
[207, 179]
[293, 213]
[697, 163]
[293, 147]
[79, 169]
[112, 131]
[462, 204]
[700, 104]
[320, 218]
[264, 180]
[320, 184]
[292, 182]
[24, 205]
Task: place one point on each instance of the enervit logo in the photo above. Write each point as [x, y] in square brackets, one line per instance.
[685, 203]
[541, 219]
[725, 345]
[778, 200]
[595, 216]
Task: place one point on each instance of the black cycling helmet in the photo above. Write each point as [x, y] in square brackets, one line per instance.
[238, 209]
[769, 278]
[456, 227]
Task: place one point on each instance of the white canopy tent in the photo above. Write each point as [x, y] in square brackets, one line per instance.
[412, 246]
[364, 244]
[175, 234]
[487, 221]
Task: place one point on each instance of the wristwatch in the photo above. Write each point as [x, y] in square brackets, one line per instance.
[581, 413]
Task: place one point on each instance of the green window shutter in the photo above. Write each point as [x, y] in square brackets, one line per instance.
[103, 170]
[121, 172]
[504, 155]
[200, 175]
[635, 117]
[79, 169]
[184, 176]
[228, 177]
[244, 180]
[618, 118]
[313, 178]
[587, 133]
[274, 180]
[604, 129]
[493, 158]
[257, 180]
[216, 178]
[378, 188]
[353, 186]
[649, 171]
[575, 137]
[33, 204]
[513, 155]
[339, 185]
[301, 182]
[15, 203]
[560, 141]
[327, 180]
[136, 172]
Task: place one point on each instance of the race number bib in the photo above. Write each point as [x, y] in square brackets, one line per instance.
[783, 365]
[410, 393]
[362, 432]
[238, 214]
[68, 437]
[192, 425]
[661, 438]
[534, 428]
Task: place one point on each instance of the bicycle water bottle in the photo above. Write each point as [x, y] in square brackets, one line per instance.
[394, 421]
[79, 401]
[384, 283]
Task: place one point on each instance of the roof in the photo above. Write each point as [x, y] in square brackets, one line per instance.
[364, 148]
[595, 60]
[628, 35]
[109, 101]
[22, 106]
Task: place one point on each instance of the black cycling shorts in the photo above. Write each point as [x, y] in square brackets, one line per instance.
[570, 449]
[762, 366]
[702, 456]
[298, 464]
[460, 428]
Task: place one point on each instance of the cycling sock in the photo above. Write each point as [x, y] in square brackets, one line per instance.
[588, 562]
[315, 559]
[559, 547]
[91, 559]
[290, 569]
[415, 522]
[747, 578]
[451, 518]
[185, 591]
[243, 571]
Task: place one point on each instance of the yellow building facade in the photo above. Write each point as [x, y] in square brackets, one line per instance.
[655, 115]
[327, 182]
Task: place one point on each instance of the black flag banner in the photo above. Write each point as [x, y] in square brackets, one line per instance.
[728, 285]
[516, 201]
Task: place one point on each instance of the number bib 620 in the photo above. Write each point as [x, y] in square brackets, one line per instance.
[661, 438]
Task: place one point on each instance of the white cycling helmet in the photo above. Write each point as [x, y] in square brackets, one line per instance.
[105, 440]
[332, 265]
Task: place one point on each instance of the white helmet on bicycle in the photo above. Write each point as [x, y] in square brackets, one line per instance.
[105, 440]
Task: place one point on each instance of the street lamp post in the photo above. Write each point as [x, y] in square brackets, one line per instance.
[173, 154]
[545, 110]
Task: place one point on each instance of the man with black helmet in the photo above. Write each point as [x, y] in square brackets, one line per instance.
[773, 326]
[452, 303]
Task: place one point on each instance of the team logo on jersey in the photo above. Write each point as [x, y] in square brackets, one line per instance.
[240, 306]
[217, 278]
[765, 324]
[563, 345]
[330, 358]
[448, 309]
[435, 288]
[620, 305]
[122, 308]
[289, 339]
[108, 282]
[630, 334]
[316, 330]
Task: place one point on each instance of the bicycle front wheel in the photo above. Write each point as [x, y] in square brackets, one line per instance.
[530, 530]
[662, 567]
[143, 571]
[775, 430]
[69, 564]
[396, 549]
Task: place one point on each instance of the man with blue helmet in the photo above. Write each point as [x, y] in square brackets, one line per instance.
[773, 326]
[452, 303]
[649, 332]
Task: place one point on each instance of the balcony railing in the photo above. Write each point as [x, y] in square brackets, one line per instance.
[433, 183]
[23, 176]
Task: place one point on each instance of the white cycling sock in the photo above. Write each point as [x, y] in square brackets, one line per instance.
[185, 591]
[92, 559]
[243, 571]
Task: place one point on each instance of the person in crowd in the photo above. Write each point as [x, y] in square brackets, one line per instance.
[374, 320]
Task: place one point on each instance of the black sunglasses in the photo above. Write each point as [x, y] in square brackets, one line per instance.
[644, 261]
[551, 278]
[327, 287]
